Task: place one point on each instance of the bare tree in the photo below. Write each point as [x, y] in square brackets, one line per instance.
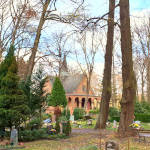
[106, 93]
[128, 76]
[140, 65]
[143, 35]
[114, 89]
[59, 52]
[87, 56]
[13, 24]
[44, 14]
[48, 13]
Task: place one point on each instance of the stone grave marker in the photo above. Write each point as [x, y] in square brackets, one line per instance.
[111, 145]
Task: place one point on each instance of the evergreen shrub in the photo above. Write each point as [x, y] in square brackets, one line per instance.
[67, 128]
[66, 112]
[34, 124]
[78, 113]
[57, 127]
[94, 111]
[30, 135]
[142, 117]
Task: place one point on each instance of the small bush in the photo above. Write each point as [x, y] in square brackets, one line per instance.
[30, 135]
[34, 124]
[113, 112]
[117, 118]
[78, 113]
[94, 111]
[57, 127]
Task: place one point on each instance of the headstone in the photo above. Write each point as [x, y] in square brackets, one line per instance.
[72, 118]
[111, 145]
[108, 124]
[89, 122]
[115, 124]
[14, 136]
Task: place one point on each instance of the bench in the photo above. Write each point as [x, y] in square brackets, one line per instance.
[143, 134]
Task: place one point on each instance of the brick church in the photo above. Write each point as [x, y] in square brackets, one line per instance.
[75, 88]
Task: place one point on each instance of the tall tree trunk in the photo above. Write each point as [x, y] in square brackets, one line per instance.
[31, 62]
[128, 76]
[88, 83]
[142, 84]
[114, 91]
[106, 92]
[148, 80]
[148, 67]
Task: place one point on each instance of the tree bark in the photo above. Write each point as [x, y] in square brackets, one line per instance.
[88, 85]
[106, 92]
[31, 62]
[142, 85]
[114, 91]
[148, 80]
[128, 76]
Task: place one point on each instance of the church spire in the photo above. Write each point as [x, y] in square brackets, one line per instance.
[64, 64]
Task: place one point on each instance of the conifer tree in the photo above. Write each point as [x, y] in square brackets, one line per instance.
[13, 108]
[57, 97]
[33, 89]
[38, 93]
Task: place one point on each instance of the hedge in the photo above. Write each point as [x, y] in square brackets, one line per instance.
[142, 117]
[31, 135]
[117, 118]
[139, 117]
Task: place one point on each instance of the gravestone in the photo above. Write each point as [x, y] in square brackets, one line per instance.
[115, 124]
[72, 118]
[14, 137]
[111, 145]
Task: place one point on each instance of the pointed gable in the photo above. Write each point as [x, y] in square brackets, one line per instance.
[71, 83]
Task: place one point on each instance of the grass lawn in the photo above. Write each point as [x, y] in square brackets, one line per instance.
[79, 140]
[86, 136]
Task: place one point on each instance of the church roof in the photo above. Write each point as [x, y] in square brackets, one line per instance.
[70, 83]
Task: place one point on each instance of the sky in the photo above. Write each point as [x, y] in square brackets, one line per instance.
[138, 5]
[95, 8]
[101, 6]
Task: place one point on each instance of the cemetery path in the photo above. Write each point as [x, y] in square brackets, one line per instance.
[92, 131]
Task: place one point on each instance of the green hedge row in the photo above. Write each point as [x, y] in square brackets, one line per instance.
[31, 135]
[139, 117]
[142, 117]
